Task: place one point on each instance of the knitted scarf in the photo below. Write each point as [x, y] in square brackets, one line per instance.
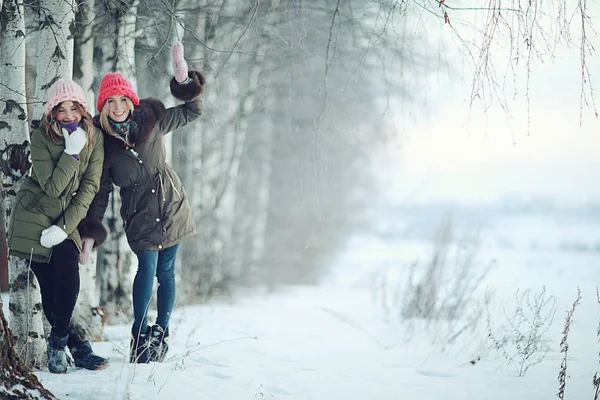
[128, 130]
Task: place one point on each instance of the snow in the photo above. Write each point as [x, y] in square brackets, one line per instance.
[339, 340]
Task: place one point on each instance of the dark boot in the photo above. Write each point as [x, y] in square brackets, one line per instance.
[159, 346]
[57, 356]
[140, 345]
[82, 353]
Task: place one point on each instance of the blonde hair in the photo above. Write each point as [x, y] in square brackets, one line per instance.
[52, 128]
[105, 124]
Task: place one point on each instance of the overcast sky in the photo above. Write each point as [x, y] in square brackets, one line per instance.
[454, 151]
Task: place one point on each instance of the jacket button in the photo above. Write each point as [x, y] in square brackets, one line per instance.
[141, 161]
[160, 246]
[153, 191]
[157, 219]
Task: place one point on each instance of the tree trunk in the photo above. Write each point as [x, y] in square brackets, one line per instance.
[25, 300]
[87, 319]
[252, 203]
[55, 50]
[17, 382]
[83, 65]
[3, 256]
[115, 258]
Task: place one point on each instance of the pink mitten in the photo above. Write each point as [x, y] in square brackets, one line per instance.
[86, 250]
[180, 67]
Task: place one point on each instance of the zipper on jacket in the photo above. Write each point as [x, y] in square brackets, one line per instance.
[63, 199]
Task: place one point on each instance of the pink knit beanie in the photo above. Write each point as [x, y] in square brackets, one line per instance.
[113, 83]
[62, 90]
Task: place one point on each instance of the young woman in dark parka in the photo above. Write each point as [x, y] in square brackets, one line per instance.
[155, 210]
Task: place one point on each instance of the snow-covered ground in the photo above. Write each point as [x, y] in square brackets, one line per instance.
[340, 340]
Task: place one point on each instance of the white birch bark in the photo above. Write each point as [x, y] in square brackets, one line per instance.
[86, 316]
[116, 262]
[17, 382]
[55, 49]
[85, 46]
[25, 301]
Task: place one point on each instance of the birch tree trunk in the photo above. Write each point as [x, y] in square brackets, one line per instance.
[17, 382]
[87, 317]
[187, 149]
[210, 159]
[116, 261]
[55, 50]
[238, 131]
[252, 203]
[25, 300]
[83, 60]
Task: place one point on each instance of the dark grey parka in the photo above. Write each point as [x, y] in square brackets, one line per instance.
[154, 207]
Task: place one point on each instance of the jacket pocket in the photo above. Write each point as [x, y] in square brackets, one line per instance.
[178, 196]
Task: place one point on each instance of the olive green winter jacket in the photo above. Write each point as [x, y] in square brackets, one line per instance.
[57, 182]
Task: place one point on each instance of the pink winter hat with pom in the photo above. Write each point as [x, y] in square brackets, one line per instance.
[62, 90]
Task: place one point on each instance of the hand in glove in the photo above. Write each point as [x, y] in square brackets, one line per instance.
[74, 141]
[52, 236]
[180, 67]
[86, 250]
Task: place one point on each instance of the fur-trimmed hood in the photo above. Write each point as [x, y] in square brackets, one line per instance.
[150, 112]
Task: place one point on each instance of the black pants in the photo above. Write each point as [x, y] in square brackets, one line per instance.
[59, 285]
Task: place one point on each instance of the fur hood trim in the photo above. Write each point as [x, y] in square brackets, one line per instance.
[145, 116]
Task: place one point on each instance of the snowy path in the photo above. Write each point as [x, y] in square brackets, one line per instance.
[336, 341]
[307, 343]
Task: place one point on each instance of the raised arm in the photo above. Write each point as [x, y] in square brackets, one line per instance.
[187, 85]
[190, 92]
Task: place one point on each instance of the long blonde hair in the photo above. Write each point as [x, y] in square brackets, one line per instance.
[51, 127]
[105, 124]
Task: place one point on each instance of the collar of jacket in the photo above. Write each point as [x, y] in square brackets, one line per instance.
[149, 113]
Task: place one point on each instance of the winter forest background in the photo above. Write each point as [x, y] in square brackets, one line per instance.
[448, 146]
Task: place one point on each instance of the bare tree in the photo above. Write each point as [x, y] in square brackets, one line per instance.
[115, 37]
[25, 300]
[87, 315]
[17, 382]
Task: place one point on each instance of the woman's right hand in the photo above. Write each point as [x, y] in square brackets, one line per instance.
[75, 141]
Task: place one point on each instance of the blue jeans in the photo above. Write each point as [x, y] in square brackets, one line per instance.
[161, 264]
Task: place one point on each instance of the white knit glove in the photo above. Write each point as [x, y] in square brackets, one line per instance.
[52, 236]
[74, 142]
[180, 67]
[86, 250]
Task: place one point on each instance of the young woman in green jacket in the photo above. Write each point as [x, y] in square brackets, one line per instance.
[47, 221]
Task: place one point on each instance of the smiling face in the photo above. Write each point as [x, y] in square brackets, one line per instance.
[67, 111]
[118, 108]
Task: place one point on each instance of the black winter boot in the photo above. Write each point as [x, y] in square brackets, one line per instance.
[82, 352]
[159, 346]
[57, 356]
[140, 345]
